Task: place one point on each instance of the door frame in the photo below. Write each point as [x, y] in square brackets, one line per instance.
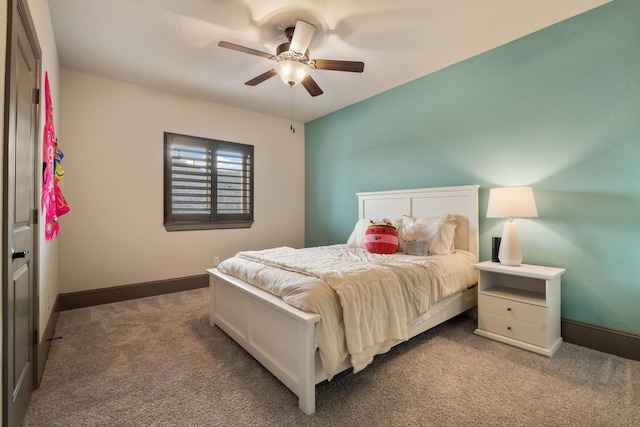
[18, 10]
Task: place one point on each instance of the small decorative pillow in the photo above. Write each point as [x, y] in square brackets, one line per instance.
[439, 236]
[356, 239]
[415, 247]
[381, 238]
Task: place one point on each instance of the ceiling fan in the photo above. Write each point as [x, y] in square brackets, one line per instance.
[292, 60]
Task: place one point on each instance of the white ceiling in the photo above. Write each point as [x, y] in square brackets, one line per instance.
[173, 44]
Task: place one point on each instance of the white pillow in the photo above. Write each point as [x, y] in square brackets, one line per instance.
[406, 219]
[356, 239]
[444, 218]
[415, 247]
[439, 236]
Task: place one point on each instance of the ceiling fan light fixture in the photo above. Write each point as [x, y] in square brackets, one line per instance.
[293, 63]
[292, 72]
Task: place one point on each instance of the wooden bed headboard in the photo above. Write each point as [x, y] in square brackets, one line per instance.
[461, 201]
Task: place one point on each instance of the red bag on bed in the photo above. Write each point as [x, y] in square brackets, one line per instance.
[381, 238]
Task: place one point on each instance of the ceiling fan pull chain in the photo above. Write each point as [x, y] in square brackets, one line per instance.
[292, 110]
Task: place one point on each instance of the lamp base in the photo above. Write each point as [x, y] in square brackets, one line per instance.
[510, 252]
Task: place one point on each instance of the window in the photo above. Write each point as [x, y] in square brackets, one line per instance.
[207, 183]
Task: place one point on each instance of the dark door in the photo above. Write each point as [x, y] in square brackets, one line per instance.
[20, 213]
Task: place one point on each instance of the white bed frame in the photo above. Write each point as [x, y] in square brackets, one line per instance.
[282, 337]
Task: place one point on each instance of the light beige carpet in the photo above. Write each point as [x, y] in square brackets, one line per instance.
[157, 362]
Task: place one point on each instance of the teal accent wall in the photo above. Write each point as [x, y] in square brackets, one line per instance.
[558, 110]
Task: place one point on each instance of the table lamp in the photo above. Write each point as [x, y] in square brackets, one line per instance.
[511, 202]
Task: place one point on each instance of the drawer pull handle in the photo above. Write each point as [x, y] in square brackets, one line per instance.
[508, 328]
[508, 308]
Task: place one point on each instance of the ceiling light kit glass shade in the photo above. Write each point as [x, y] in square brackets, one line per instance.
[292, 72]
[511, 202]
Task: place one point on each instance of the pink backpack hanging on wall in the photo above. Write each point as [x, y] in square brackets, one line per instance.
[53, 202]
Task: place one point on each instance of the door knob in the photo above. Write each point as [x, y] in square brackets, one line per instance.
[15, 254]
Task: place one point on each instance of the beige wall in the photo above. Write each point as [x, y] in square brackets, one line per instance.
[112, 136]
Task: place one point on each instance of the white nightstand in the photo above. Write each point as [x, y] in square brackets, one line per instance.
[520, 305]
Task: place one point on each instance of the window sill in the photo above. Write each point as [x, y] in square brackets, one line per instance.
[189, 226]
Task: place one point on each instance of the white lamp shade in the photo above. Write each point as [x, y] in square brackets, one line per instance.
[292, 72]
[511, 202]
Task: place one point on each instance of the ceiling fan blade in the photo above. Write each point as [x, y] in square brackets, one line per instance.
[262, 77]
[302, 36]
[243, 49]
[311, 86]
[330, 64]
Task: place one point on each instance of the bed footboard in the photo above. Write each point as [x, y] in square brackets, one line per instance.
[279, 336]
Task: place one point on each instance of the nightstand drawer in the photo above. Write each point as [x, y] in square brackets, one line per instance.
[514, 329]
[514, 310]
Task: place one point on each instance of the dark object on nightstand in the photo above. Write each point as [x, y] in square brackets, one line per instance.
[495, 248]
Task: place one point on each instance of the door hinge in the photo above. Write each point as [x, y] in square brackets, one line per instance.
[36, 96]
[35, 337]
[36, 216]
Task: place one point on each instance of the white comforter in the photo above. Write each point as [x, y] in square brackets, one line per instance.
[365, 300]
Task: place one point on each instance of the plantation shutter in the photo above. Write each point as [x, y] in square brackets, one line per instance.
[207, 182]
[190, 181]
[234, 182]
